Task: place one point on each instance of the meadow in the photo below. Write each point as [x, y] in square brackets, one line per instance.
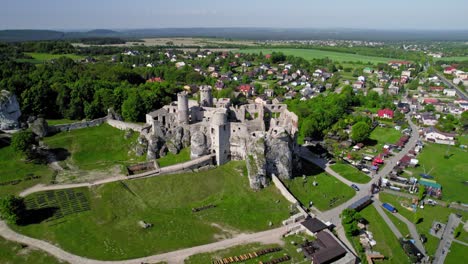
[38, 58]
[350, 173]
[110, 229]
[14, 253]
[310, 54]
[96, 148]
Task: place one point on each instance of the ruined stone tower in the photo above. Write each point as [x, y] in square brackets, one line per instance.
[182, 108]
[220, 134]
[206, 97]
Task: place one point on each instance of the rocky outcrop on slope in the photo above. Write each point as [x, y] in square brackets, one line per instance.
[279, 154]
[9, 111]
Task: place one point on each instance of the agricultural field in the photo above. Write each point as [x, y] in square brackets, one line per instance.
[310, 54]
[387, 242]
[17, 174]
[38, 58]
[451, 172]
[287, 249]
[459, 58]
[110, 229]
[328, 193]
[350, 173]
[95, 148]
[172, 159]
[14, 253]
[428, 214]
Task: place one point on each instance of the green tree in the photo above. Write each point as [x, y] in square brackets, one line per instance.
[22, 142]
[12, 209]
[360, 131]
[132, 108]
[429, 108]
[421, 192]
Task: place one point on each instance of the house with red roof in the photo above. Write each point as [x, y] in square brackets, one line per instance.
[246, 89]
[436, 88]
[385, 113]
[450, 70]
[155, 79]
[431, 100]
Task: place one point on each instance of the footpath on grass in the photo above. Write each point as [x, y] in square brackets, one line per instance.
[266, 237]
[158, 172]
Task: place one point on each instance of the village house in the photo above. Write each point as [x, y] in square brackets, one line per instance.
[431, 134]
[358, 85]
[450, 70]
[246, 89]
[385, 113]
[450, 92]
[428, 119]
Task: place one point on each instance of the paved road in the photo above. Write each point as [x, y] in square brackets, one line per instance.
[460, 93]
[178, 256]
[447, 239]
[387, 220]
[411, 227]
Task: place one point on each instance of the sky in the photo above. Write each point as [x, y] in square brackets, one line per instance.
[131, 14]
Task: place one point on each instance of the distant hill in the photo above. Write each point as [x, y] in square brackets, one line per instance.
[244, 33]
[30, 35]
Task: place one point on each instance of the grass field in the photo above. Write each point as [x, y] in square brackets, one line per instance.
[53, 122]
[43, 57]
[384, 135]
[350, 173]
[320, 54]
[110, 229]
[96, 147]
[16, 174]
[387, 242]
[456, 254]
[287, 249]
[460, 58]
[329, 192]
[451, 173]
[14, 253]
[171, 159]
[429, 214]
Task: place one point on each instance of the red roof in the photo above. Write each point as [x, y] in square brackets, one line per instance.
[450, 69]
[155, 79]
[431, 100]
[436, 88]
[268, 56]
[385, 113]
[245, 88]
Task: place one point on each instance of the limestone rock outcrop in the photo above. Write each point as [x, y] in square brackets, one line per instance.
[39, 127]
[9, 111]
[279, 154]
[199, 145]
[256, 163]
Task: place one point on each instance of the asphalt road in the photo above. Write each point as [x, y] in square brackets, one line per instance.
[460, 93]
[447, 239]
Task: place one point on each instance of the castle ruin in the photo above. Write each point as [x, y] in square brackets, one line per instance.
[262, 135]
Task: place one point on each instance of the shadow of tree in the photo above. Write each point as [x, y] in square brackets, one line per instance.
[60, 154]
[36, 216]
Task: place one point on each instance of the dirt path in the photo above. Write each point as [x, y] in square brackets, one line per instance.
[272, 236]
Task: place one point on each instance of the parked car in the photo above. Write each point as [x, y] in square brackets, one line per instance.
[389, 207]
[354, 186]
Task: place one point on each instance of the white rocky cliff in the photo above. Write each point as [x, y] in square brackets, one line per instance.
[9, 111]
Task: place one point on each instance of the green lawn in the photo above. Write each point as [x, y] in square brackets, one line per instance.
[110, 229]
[14, 253]
[456, 254]
[320, 54]
[459, 58]
[53, 122]
[43, 57]
[429, 214]
[14, 168]
[387, 242]
[400, 225]
[385, 135]
[451, 173]
[350, 173]
[171, 159]
[329, 192]
[287, 249]
[99, 147]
